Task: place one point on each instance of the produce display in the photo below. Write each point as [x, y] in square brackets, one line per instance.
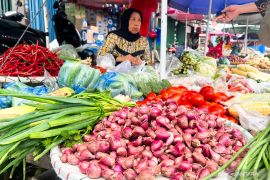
[206, 99]
[251, 72]
[259, 62]
[189, 62]
[157, 138]
[55, 120]
[29, 60]
[234, 60]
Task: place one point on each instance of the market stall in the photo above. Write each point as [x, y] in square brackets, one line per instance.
[193, 117]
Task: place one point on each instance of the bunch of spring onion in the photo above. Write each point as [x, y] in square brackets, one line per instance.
[256, 163]
[55, 120]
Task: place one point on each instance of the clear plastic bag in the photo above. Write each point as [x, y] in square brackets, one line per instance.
[107, 61]
[251, 120]
[66, 50]
[50, 82]
[126, 67]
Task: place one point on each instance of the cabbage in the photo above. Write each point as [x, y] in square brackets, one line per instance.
[206, 69]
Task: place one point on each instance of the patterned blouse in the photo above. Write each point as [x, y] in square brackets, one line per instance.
[263, 5]
[118, 46]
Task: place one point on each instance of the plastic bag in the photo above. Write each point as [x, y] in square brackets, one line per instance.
[172, 63]
[126, 67]
[251, 120]
[66, 50]
[107, 61]
[50, 82]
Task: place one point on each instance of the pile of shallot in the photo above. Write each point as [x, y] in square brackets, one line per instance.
[158, 138]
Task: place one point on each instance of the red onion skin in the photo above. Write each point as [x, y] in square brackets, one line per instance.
[132, 150]
[107, 160]
[151, 133]
[72, 159]
[86, 155]
[146, 175]
[81, 147]
[83, 166]
[148, 141]
[144, 109]
[107, 124]
[185, 166]
[156, 145]
[142, 165]
[93, 147]
[137, 142]
[128, 162]
[198, 149]
[135, 121]
[196, 167]
[162, 134]
[158, 152]
[127, 132]
[87, 138]
[237, 134]
[104, 146]
[129, 174]
[121, 151]
[163, 121]
[99, 155]
[214, 156]
[212, 166]
[167, 162]
[177, 176]
[117, 168]
[192, 124]
[225, 139]
[195, 143]
[169, 141]
[178, 139]
[115, 144]
[145, 125]
[191, 115]
[220, 149]
[167, 171]
[93, 170]
[202, 135]
[180, 110]
[113, 154]
[190, 131]
[171, 116]
[183, 122]
[64, 158]
[222, 161]
[99, 127]
[118, 176]
[178, 161]
[155, 112]
[187, 139]
[67, 150]
[199, 158]
[237, 148]
[163, 157]
[189, 175]
[203, 173]
[107, 173]
[147, 154]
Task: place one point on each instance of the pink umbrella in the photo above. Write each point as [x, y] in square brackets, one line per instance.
[182, 16]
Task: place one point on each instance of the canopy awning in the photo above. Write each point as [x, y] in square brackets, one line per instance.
[183, 16]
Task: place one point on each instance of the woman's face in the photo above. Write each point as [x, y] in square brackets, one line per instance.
[135, 22]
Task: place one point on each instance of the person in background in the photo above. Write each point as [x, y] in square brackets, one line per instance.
[195, 38]
[228, 44]
[233, 11]
[126, 43]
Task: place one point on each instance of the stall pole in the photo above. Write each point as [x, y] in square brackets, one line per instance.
[207, 28]
[186, 30]
[163, 41]
[246, 35]
[46, 26]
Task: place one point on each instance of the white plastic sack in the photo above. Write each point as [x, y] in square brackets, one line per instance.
[126, 67]
[252, 120]
[107, 61]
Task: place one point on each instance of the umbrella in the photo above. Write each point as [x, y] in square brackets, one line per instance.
[202, 6]
[183, 16]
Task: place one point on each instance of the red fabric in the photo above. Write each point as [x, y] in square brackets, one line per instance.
[146, 7]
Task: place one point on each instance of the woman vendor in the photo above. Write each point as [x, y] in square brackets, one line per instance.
[126, 43]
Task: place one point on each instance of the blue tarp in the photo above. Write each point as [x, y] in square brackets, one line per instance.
[201, 6]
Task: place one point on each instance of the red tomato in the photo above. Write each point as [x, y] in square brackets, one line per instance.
[217, 109]
[176, 90]
[151, 96]
[164, 95]
[197, 100]
[139, 103]
[188, 95]
[220, 97]
[185, 104]
[208, 93]
[175, 97]
[205, 105]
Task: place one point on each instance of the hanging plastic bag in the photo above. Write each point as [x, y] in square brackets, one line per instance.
[66, 50]
[50, 82]
[107, 61]
[252, 120]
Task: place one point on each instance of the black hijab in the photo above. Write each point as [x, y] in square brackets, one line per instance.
[123, 31]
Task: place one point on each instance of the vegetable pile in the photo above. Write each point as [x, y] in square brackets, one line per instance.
[189, 61]
[55, 120]
[255, 164]
[156, 138]
[206, 99]
[29, 60]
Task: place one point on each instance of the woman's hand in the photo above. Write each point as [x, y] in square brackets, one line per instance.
[138, 61]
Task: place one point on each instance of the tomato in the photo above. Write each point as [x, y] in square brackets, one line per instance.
[220, 97]
[205, 105]
[175, 97]
[208, 93]
[197, 100]
[164, 95]
[158, 98]
[151, 96]
[188, 95]
[217, 109]
[176, 90]
[139, 103]
[185, 104]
